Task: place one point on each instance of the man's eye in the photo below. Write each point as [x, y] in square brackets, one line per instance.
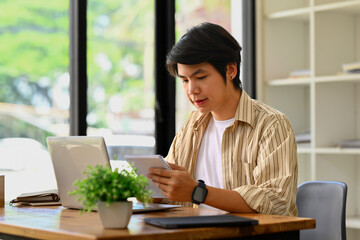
[202, 77]
[184, 80]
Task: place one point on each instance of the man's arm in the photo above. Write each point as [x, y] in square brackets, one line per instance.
[227, 200]
[275, 175]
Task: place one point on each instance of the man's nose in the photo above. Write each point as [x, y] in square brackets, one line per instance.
[192, 88]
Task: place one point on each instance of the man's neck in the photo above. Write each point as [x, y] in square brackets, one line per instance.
[230, 109]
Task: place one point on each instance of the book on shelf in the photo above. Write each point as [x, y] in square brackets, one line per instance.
[349, 143]
[303, 137]
[47, 197]
[300, 73]
[353, 67]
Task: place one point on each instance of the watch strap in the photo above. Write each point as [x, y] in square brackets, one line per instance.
[201, 183]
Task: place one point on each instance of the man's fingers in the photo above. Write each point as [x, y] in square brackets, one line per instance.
[162, 187]
[176, 167]
[160, 171]
[158, 178]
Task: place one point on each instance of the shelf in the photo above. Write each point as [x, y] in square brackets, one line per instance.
[304, 34]
[338, 78]
[303, 150]
[289, 81]
[320, 79]
[348, 151]
[301, 14]
[344, 6]
[353, 222]
[335, 150]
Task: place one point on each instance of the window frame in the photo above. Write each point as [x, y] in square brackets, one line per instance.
[164, 83]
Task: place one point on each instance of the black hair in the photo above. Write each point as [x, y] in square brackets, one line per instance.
[209, 43]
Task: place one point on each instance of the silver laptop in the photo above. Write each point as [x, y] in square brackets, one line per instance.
[71, 156]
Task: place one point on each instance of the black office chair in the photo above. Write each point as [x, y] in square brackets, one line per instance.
[324, 201]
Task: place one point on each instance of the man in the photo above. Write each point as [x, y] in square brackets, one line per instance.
[242, 152]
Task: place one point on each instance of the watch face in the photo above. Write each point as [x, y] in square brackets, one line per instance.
[199, 194]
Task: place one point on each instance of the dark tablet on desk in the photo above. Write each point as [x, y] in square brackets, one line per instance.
[200, 221]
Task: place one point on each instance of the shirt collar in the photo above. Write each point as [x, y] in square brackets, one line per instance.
[201, 119]
[244, 112]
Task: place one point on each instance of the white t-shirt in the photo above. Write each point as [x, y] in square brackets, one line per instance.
[208, 164]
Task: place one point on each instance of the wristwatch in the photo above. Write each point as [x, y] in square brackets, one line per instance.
[199, 193]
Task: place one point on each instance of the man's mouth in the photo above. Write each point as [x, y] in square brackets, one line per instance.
[200, 102]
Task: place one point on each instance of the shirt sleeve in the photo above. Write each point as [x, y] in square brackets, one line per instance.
[275, 175]
[171, 154]
[171, 158]
[179, 146]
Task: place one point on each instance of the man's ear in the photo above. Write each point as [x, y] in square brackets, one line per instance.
[231, 70]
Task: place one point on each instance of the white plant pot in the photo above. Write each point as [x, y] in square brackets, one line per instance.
[115, 215]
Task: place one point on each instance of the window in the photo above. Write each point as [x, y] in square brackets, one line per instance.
[34, 90]
[120, 75]
[34, 79]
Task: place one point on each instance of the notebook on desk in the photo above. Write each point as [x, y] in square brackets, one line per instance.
[71, 155]
[200, 221]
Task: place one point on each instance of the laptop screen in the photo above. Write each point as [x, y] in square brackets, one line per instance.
[70, 157]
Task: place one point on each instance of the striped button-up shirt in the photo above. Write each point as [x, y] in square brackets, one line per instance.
[258, 155]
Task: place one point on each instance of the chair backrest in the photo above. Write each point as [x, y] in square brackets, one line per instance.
[325, 201]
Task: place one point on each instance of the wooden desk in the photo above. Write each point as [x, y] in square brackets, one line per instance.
[61, 223]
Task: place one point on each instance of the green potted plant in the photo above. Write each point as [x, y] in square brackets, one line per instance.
[109, 190]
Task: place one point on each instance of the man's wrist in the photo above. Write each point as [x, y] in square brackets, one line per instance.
[199, 193]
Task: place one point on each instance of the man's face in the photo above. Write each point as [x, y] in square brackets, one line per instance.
[206, 89]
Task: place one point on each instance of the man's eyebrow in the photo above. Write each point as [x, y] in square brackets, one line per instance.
[194, 73]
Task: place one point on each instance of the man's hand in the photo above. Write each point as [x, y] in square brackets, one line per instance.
[177, 184]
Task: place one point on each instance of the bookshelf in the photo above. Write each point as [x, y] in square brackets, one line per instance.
[319, 36]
